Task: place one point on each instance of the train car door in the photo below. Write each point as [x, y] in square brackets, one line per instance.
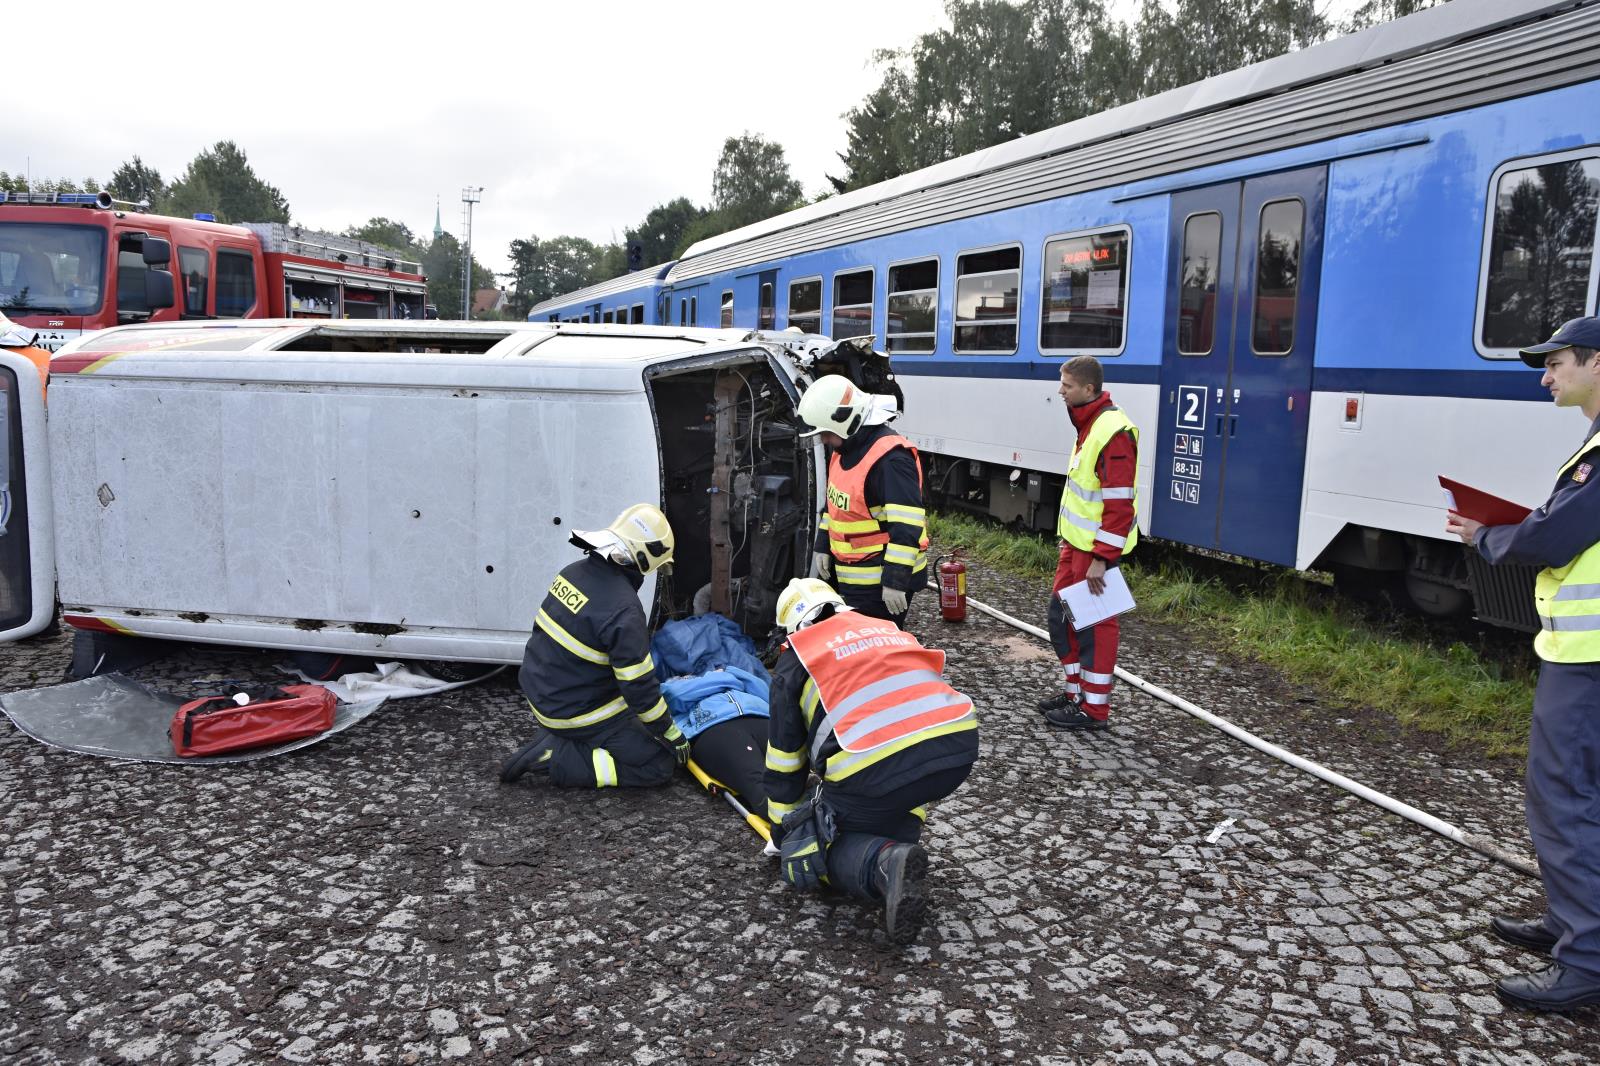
[27, 548]
[1229, 460]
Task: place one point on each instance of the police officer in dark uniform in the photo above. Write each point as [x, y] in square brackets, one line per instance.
[1563, 779]
[587, 671]
[859, 702]
[872, 540]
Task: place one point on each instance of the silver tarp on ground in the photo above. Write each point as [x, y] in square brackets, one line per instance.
[115, 718]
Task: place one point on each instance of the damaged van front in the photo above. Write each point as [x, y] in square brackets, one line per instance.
[400, 489]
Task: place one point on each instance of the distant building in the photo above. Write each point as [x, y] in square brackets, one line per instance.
[486, 302]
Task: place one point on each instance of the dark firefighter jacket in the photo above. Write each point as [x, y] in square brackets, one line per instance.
[588, 659]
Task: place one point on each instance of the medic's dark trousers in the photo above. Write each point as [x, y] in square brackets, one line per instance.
[1088, 657]
[1563, 805]
[865, 825]
[619, 753]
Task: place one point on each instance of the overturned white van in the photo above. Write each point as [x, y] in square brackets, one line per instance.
[397, 489]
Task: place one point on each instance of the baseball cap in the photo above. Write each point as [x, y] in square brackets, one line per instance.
[1582, 332]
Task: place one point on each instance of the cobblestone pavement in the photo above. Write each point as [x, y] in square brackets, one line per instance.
[381, 898]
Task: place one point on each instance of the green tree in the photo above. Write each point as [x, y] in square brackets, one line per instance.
[661, 233]
[137, 183]
[752, 182]
[220, 180]
[386, 233]
[541, 269]
[441, 262]
[1004, 70]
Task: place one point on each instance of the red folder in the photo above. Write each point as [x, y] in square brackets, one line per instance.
[1480, 506]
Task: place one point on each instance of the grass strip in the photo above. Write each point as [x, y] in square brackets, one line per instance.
[1306, 631]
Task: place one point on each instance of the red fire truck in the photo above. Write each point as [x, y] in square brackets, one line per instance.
[75, 262]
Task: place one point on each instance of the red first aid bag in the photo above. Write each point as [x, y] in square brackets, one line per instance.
[217, 725]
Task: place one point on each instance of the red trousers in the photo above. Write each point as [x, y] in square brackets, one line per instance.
[1089, 657]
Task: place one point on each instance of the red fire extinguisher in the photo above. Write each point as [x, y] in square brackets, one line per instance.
[953, 588]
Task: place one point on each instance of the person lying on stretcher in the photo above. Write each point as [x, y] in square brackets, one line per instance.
[724, 715]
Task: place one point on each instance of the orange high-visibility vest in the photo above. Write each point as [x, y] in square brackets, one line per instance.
[880, 687]
[854, 532]
[40, 358]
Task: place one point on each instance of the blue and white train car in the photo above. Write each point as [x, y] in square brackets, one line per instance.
[1307, 280]
[632, 299]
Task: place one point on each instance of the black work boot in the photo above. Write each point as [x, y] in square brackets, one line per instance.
[533, 757]
[900, 873]
[1073, 718]
[1059, 702]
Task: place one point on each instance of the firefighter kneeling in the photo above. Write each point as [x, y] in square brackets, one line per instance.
[859, 702]
[587, 671]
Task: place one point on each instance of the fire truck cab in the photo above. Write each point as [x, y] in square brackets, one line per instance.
[74, 263]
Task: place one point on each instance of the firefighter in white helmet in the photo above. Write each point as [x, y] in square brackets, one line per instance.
[21, 340]
[872, 540]
[858, 702]
[587, 671]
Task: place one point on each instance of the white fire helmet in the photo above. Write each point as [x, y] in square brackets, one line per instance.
[803, 599]
[834, 404]
[640, 536]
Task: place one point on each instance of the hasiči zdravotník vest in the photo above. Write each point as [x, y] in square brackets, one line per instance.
[855, 531]
[1083, 500]
[881, 690]
[1568, 599]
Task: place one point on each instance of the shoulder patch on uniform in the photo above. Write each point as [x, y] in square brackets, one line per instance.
[567, 594]
[1581, 474]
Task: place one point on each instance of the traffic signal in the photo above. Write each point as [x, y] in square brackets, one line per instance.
[635, 255]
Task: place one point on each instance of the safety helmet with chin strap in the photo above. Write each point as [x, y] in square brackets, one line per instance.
[834, 404]
[639, 537]
[803, 600]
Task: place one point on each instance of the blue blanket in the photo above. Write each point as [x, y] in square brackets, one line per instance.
[698, 703]
[701, 644]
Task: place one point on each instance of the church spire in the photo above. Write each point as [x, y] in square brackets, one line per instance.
[438, 230]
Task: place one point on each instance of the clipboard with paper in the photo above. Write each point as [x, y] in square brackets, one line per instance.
[1085, 609]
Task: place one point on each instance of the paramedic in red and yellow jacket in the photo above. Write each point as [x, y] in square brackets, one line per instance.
[872, 539]
[1097, 525]
[860, 703]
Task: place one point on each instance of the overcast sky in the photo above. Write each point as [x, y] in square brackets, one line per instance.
[574, 117]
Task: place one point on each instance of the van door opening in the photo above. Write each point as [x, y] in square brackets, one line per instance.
[737, 487]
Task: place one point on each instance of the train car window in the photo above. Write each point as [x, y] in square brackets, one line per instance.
[852, 304]
[638, 313]
[608, 317]
[195, 267]
[986, 301]
[766, 312]
[1084, 296]
[1539, 267]
[1197, 283]
[805, 304]
[1277, 277]
[726, 319]
[913, 307]
[236, 283]
[683, 312]
[694, 310]
[555, 318]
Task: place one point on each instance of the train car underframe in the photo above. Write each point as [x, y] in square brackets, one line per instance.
[1437, 578]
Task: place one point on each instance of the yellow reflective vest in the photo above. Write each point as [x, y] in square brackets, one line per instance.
[1083, 499]
[1568, 599]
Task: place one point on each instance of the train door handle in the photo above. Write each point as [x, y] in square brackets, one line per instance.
[1218, 431]
[1233, 425]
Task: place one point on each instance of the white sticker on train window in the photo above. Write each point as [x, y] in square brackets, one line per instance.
[1105, 288]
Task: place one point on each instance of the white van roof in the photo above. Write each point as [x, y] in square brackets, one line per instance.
[486, 353]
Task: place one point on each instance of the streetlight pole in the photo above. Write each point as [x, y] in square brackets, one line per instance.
[469, 196]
